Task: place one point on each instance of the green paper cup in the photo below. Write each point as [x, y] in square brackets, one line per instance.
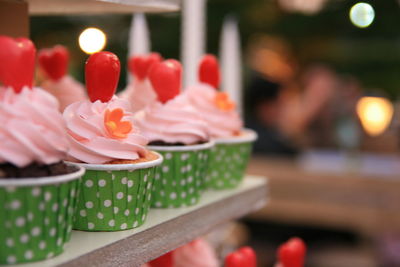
[115, 197]
[36, 216]
[180, 179]
[228, 160]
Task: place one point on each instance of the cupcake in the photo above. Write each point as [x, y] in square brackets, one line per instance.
[176, 130]
[54, 63]
[116, 189]
[139, 92]
[233, 144]
[197, 253]
[37, 190]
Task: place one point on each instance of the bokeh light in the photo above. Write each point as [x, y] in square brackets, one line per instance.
[375, 114]
[92, 40]
[362, 15]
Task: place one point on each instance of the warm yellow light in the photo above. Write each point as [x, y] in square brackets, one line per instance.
[92, 40]
[375, 114]
[362, 15]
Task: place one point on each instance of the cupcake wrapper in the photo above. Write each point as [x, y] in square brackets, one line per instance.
[36, 220]
[179, 181]
[114, 200]
[228, 162]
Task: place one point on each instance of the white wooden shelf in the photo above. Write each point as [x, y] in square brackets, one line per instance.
[164, 230]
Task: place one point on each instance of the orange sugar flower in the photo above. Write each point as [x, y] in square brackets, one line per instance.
[223, 102]
[115, 127]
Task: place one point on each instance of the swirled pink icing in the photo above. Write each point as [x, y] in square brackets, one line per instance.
[91, 141]
[66, 90]
[221, 123]
[197, 253]
[31, 128]
[173, 122]
[139, 94]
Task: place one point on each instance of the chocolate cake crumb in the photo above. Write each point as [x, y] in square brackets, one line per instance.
[34, 170]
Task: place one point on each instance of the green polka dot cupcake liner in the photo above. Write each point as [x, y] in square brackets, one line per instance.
[179, 181]
[36, 216]
[228, 160]
[115, 197]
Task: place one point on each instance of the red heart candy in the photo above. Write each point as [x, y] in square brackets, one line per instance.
[250, 256]
[54, 61]
[165, 78]
[235, 259]
[17, 62]
[102, 74]
[292, 253]
[140, 65]
[165, 260]
[209, 71]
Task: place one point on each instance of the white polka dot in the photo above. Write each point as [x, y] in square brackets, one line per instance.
[137, 211]
[102, 183]
[47, 196]
[183, 182]
[10, 242]
[143, 217]
[90, 225]
[65, 202]
[60, 218]
[126, 212]
[193, 200]
[11, 259]
[59, 241]
[165, 168]
[89, 204]
[145, 178]
[190, 179]
[42, 244]
[111, 223]
[157, 176]
[11, 189]
[129, 198]
[130, 183]
[183, 194]
[83, 213]
[46, 221]
[120, 195]
[24, 238]
[189, 167]
[55, 207]
[148, 186]
[158, 204]
[100, 215]
[89, 183]
[20, 221]
[35, 231]
[116, 209]
[124, 226]
[214, 174]
[107, 203]
[16, 204]
[29, 216]
[172, 195]
[184, 156]
[72, 193]
[162, 193]
[52, 231]
[149, 197]
[124, 180]
[113, 177]
[191, 190]
[168, 156]
[50, 255]
[135, 224]
[41, 206]
[164, 181]
[183, 169]
[28, 254]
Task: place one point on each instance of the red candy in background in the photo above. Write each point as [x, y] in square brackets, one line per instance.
[243, 257]
[165, 78]
[209, 71]
[165, 260]
[292, 253]
[140, 65]
[17, 62]
[102, 74]
[54, 61]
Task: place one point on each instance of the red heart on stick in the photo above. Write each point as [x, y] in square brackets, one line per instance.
[54, 61]
[165, 78]
[243, 257]
[102, 74]
[17, 62]
[140, 65]
[292, 253]
[209, 70]
[165, 260]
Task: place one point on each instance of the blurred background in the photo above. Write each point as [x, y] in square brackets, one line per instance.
[321, 87]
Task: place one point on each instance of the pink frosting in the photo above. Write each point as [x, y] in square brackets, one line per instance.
[31, 128]
[195, 254]
[66, 90]
[89, 138]
[173, 122]
[140, 94]
[220, 123]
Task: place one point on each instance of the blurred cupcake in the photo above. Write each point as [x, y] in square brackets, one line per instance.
[116, 189]
[176, 130]
[54, 63]
[197, 253]
[233, 144]
[139, 92]
[37, 190]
